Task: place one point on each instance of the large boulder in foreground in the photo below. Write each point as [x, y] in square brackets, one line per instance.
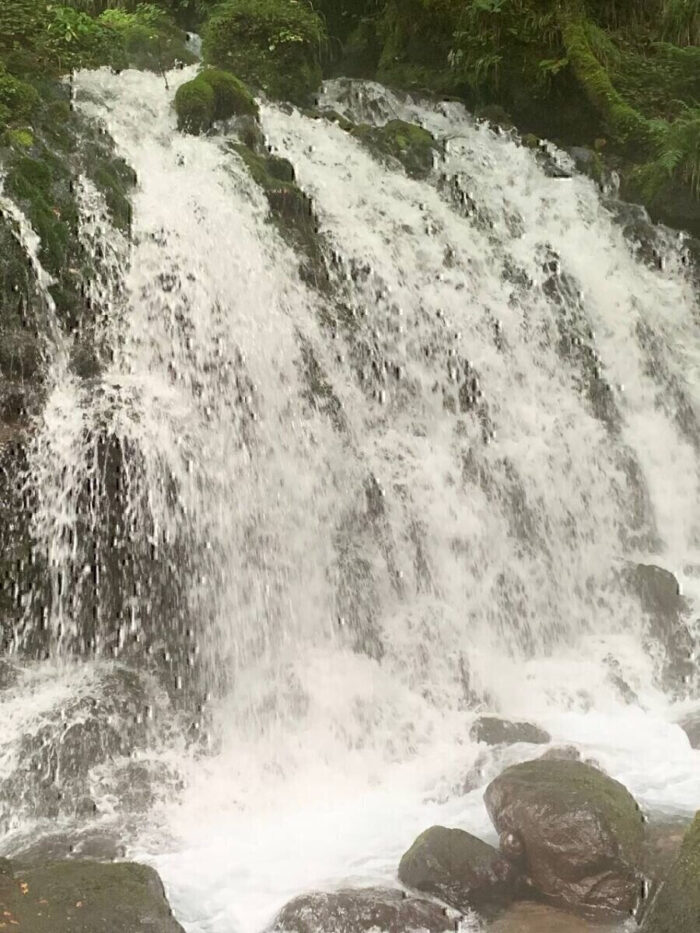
[495, 731]
[84, 897]
[459, 869]
[361, 909]
[676, 906]
[580, 832]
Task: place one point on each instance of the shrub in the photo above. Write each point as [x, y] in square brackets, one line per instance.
[272, 44]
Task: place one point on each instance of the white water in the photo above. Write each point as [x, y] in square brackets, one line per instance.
[477, 548]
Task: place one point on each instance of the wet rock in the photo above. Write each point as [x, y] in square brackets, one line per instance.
[662, 843]
[527, 917]
[667, 612]
[691, 726]
[459, 869]
[85, 897]
[495, 731]
[413, 146]
[676, 906]
[582, 834]
[561, 753]
[357, 910]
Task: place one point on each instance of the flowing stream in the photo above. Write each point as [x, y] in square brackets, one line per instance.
[352, 514]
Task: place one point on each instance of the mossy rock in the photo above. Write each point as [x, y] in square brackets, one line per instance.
[274, 45]
[212, 95]
[77, 896]
[194, 105]
[676, 907]
[411, 145]
[581, 834]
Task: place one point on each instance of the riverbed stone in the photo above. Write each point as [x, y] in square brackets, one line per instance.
[495, 731]
[530, 917]
[355, 910]
[84, 897]
[676, 906]
[582, 834]
[460, 869]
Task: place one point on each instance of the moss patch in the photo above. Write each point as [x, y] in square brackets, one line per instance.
[411, 145]
[212, 95]
[676, 907]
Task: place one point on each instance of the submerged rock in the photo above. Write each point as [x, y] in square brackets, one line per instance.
[84, 897]
[495, 731]
[581, 832]
[676, 906]
[459, 869]
[357, 910]
[528, 917]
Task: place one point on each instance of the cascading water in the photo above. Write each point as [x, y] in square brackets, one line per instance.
[343, 519]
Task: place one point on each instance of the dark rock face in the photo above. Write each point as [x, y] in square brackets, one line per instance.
[495, 731]
[676, 906]
[459, 869]
[357, 910]
[667, 611]
[691, 726]
[84, 897]
[582, 834]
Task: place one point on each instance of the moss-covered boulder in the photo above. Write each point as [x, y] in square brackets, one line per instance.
[580, 832]
[411, 145]
[273, 45]
[194, 105]
[361, 909]
[84, 897]
[212, 95]
[492, 730]
[460, 870]
[676, 906]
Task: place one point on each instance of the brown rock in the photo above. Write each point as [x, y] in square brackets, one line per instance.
[582, 834]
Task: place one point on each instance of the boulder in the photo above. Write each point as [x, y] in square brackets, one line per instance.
[667, 612]
[84, 897]
[495, 731]
[411, 145]
[581, 834]
[691, 726]
[357, 910]
[459, 869]
[676, 906]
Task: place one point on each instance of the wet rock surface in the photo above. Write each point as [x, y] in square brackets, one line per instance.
[528, 917]
[495, 731]
[676, 906]
[667, 612]
[691, 726]
[581, 833]
[84, 897]
[460, 869]
[357, 910]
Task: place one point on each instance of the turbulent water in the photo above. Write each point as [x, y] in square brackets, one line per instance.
[330, 522]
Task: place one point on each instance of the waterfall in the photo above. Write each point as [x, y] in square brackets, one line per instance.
[331, 521]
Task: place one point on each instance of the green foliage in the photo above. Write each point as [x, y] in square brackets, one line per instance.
[18, 100]
[274, 45]
[676, 154]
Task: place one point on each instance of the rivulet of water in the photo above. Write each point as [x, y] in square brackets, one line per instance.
[344, 520]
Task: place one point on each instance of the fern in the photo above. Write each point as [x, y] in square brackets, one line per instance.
[677, 154]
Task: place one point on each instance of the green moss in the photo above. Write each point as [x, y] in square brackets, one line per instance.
[231, 96]
[274, 45]
[18, 100]
[413, 146]
[194, 104]
[21, 139]
[676, 907]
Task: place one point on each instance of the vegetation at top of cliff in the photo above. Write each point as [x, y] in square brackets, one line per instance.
[573, 70]
[274, 45]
